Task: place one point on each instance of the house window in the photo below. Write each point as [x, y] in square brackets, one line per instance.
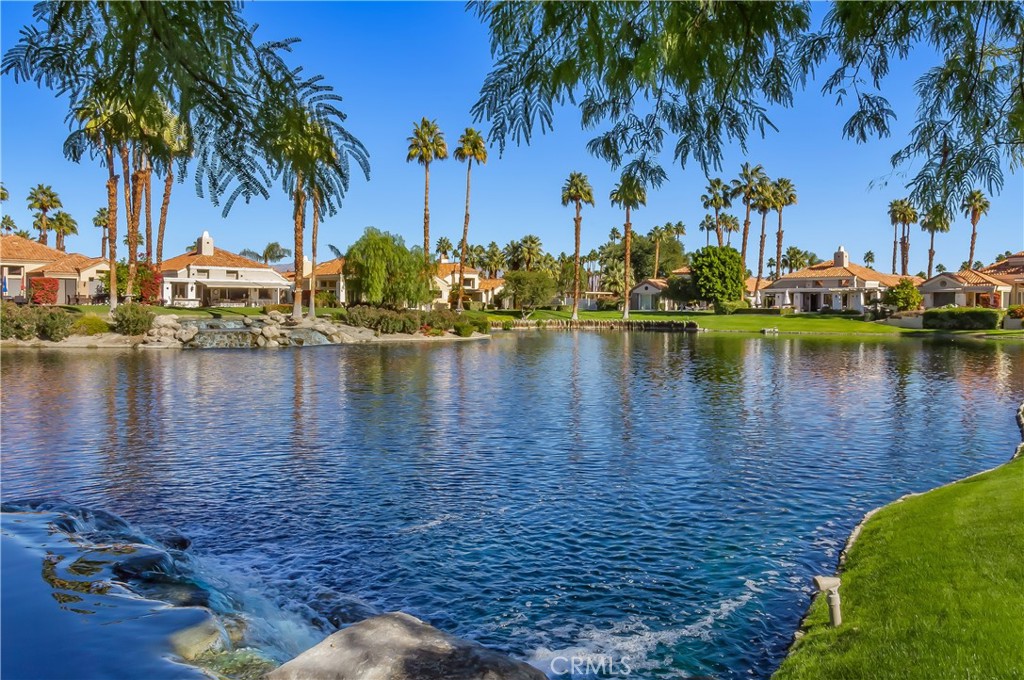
[232, 274]
[202, 273]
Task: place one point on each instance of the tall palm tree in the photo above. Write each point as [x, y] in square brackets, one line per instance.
[974, 206]
[177, 145]
[577, 190]
[99, 221]
[64, 225]
[43, 198]
[783, 196]
[513, 255]
[656, 235]
[3, 193]
[744, 187]
[763, 201]
[718, 197]
[271, 253]
[772, 268]
[531, 251]
[7, 224]
[23, 233]
[444, 247]
[894, 219]
[629, 193]
[471, 148]
[730, 225]
[494, 260]
[708, 225]
[614, 235]
[425, 146]
[902, 212]
[935, 221]
[869, 258]
[794, 259]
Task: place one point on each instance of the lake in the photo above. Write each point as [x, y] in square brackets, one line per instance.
[658, 499]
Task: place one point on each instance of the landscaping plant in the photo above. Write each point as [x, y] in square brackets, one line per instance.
[132, 319]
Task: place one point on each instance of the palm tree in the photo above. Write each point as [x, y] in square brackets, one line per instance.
[7, 224]
[614, 235]
[745, 187]
[794, 259]
[273, 252]
[444, 247]
[772, 266]
[902, 212]
[43, 198]
[762, 202]
[494, 260]
[577, 190]
[3, 193]
[894, 219]
[99, 221]
[974, 206]
[425, 146]
[708, 225]
[629, 193]
[730, 225]
[718, 197]
[23, 233]
[471, 148]
[934, 222]
[531, 250]
[869, 258]
[656, 235]
[940, 268]
[64, 225]
[177, 144]
[513, 255]
[783, 196]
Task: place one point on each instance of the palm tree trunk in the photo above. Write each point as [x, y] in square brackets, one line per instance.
[148, 192]
[112, 226]
[465, 242]
[778, 248]
[576, 266]
[168, 184]
[59, 244]
[746, 235]
[43, 228]
[760, 257]
[657, 256]
[138, 177]
[905, 250]
[974, 238]
[103, 245]
[426, 212]
[707, 238]
[931, 255]
[312, 273]
[300, 218]
[627, 240]
[129, 210]
[718, 230]
[895, 240]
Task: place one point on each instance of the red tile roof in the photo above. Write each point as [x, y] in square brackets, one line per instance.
[220, 258]
[331, 267]
[446, 269]
[1009, 270]
[69, 264]
[17, 248]
[827, 270]
[660, 284]
[491, 284]
[751, 284]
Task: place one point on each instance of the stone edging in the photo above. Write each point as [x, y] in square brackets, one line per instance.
[855, 534]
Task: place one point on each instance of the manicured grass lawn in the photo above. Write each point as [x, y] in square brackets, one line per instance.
[203, 312]
[933, 588]
[809, 323]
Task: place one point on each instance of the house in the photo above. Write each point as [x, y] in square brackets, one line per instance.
[1011, 272]
[330, 278]
[967, 288]
[78, 277]
[751, 289]
[490, 290]
[833, 284]
[646, 295]
[211, 277]
[19, 256]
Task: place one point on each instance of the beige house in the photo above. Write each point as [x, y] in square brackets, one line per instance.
[476, 286]
[1011, 272]
[78, 277]
[329, 278]
[967, 288]
[19, 256]
[835, 284]
[646, 296]
[211, 277]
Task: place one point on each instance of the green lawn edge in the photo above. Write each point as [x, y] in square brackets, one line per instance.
[932, 588]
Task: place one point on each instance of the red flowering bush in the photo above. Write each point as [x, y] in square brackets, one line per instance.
[44, 290]
[150, 284]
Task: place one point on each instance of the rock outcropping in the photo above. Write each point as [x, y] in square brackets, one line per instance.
[398, 646]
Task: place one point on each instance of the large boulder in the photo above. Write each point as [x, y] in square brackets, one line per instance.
[186, 333]
[166, 321]
[398, 646]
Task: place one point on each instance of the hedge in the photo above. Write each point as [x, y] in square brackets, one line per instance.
[1016, 312]
[963, 318]
[768, 311]
[731, 307]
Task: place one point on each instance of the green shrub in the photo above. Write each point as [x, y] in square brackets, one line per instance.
[54, 324]
[963, 318]
[284, 309]
[731, 306]
[442, 318]
[507, 325]
[431, 331]
[382, 320]
[473, 305]
[766, 311]
[464, 329]
[1016, 312]
[903, 296]
[326, 298]
[607, 305]
[90, 324]
[18, 322]
[840, 312]
[339, 315]
[565, 308]
[132, 319]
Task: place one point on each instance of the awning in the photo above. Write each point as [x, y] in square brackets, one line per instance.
[232, 283]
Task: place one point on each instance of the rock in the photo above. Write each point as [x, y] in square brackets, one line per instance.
[270, 332]
[398, 646]
[273, 343]
[186, 334]
[166, 321]
[256, 331]
[247, 321]
[144, 562]
[172, 538]
[261, 341]
[194, 641]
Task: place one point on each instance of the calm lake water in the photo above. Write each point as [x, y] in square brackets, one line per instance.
[660, 497]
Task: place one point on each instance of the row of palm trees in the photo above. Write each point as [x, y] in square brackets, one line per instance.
[936, 220]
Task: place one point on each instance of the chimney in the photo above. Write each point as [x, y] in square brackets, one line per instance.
[842, 258]
[204, 244]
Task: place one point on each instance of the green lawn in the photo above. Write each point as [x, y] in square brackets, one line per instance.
[202, 312]
[933, 588]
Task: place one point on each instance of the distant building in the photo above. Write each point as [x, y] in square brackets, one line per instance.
[967, 288]
[22, 259]
[476, 287]
[1011, 272]
[834, 284]
[330, 278]
[647, 296]
[212, 277]
[78, 277]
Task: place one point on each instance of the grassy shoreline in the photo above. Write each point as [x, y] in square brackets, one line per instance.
[933, 587]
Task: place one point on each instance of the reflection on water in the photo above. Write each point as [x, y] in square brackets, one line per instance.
[664, 497]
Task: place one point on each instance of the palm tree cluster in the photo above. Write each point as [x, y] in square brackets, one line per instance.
[937, 219]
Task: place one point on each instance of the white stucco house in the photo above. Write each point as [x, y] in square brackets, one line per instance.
[967, 288]
[1011, 272]
[330, 278]
[837, 284]
[476, 287]
[211, 277]
[646, 296]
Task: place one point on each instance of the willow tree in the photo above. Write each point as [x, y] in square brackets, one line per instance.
[629, 194]
[471, 148]
[577, 190]
[426, 145]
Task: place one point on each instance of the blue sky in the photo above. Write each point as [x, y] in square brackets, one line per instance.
[396, 62]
